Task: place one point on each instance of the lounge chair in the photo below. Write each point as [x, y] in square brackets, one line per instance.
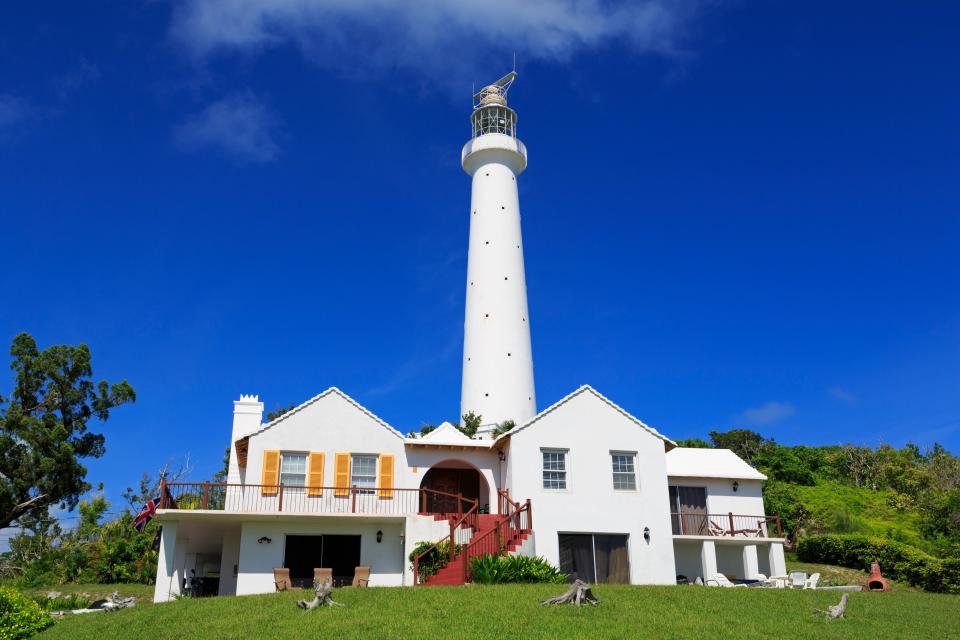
[322, 575]
[281, 579]
[361, 577]
[720, 580]
[811, 582]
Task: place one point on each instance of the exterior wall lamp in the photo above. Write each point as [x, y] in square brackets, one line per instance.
[646, 534]
[736, 485]
[264, 540]
[501, 456]
[379, 537]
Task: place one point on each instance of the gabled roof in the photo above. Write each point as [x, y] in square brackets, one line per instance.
[319, 396]
[447, 435]
[668, 443]
[684, 462]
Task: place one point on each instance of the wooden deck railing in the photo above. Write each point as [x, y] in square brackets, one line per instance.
[461, 532]
[281, 498]
[728, 524]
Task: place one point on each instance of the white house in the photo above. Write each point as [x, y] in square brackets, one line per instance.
[591, 488]
[583, 483]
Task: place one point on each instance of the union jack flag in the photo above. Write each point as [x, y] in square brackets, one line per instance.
[146, 514]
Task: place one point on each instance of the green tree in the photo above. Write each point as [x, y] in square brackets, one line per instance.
[279, 411]
[694, 443]
[745, 443]
[503, 427]
[44, 427]
[427, 428]
[471, 423]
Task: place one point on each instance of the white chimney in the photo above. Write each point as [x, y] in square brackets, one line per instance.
[247, 416]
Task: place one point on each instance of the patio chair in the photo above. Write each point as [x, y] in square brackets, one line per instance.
[780, 582]
[716, 530]
[322, 575]
[720, 580]
[811, 582]
[361, 577]
[798, 579]
[281, 579]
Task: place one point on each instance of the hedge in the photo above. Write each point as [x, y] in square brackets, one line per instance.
[20, 617]
[897, 560]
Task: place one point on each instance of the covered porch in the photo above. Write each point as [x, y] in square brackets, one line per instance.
[737, 558]
[206, 553]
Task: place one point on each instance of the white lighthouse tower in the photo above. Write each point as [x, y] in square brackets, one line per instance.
[497, 358]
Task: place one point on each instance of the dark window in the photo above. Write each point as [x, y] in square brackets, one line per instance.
[595, 557]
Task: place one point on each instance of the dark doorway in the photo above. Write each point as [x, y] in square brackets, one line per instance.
[301, 555]
[595, 557]
[688, 507]
[305, 553]
[342, 554]
[465, 482]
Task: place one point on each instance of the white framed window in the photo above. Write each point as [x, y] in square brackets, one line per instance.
[624, 470]
[293, 471]
[363, 472]
[554, 469]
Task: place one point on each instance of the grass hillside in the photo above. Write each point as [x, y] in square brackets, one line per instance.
[839, 508]
[514, 611]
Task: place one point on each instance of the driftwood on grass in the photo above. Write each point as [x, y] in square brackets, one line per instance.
[837, 610]
[112, 603]
[323, 597]
[578, 593]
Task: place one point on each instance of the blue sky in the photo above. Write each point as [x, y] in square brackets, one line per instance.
[737, 214]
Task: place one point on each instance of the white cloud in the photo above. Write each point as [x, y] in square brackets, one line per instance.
[844, 396]
[239, 125]
[452, 37]
[79, 76]
[767, 414]
[12, 110]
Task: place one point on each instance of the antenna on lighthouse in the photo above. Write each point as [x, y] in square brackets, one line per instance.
[498, 88]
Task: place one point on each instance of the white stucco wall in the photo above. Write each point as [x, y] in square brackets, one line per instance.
[229, 562]
[590, 429]
[333, 424]
[722, 499]
[167, 586]
[330, 424]
[257, 561]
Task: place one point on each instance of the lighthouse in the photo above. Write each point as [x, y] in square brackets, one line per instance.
[497, 358]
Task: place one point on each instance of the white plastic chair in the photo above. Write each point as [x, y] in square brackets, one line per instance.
[811, 582]
[798, 579]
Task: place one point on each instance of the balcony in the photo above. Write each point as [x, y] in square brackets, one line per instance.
[726, 525]
[290, 499]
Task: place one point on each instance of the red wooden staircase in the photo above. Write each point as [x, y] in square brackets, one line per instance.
[477, 535]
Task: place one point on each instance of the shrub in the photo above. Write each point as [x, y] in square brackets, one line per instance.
[490, 569]
[897, 560]
[434, 560]
[20, 617]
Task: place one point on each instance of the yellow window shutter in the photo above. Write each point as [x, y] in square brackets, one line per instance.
[341, 475]
[315, 474]
[271, 472]
[385, 481]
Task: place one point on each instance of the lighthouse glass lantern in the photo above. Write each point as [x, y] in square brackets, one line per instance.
[491, 113]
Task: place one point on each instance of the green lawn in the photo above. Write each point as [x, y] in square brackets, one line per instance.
[514, 611]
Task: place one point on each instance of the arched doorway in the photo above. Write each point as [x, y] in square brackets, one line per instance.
[451, 478]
